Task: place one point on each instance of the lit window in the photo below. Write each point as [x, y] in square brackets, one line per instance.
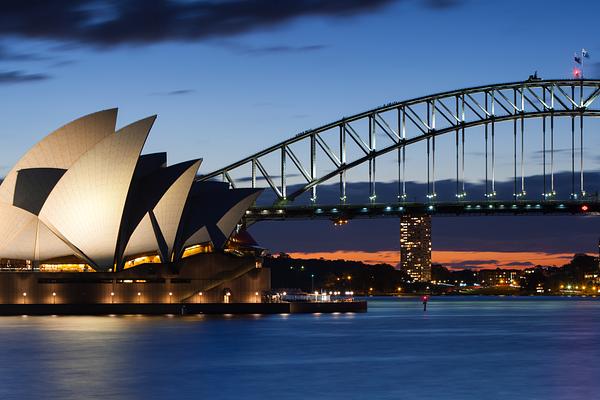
[197, 249]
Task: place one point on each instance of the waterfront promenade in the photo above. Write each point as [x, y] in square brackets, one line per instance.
[182, 309]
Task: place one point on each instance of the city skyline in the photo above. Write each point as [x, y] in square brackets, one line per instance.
[454, 260]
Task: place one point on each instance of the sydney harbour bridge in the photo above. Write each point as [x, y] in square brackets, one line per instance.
[526, 147]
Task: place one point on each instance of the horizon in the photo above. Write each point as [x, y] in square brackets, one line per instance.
[454, 261]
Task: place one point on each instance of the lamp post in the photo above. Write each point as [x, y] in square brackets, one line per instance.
[200, 294]
[256, 296]
[24, 297]
[53, 297]
[170, 297]
[112, 297]
[139, 297]
[312, 282]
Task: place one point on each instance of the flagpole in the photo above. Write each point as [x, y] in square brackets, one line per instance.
[582, 57]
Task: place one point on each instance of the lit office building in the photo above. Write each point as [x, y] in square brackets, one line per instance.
[415, 246]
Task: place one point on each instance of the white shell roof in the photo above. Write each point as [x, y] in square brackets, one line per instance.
[170, 207]
[86, 205]
[63, 147]
[143, 240]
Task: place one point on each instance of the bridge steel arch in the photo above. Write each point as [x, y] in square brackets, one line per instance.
[425, 119]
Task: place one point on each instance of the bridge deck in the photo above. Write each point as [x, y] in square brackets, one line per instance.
[344, 212]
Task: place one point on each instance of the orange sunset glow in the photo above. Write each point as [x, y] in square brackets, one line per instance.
[451, 259]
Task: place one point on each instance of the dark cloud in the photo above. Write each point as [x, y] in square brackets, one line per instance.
[550, 234]
[470, 264]
[473, 262]
[518, 264]
[464, 266]
[10, 77]
[387, 192]
[109, 23]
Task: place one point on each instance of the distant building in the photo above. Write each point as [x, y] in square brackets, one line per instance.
[599, 255]
[415, 246]
[500, 277]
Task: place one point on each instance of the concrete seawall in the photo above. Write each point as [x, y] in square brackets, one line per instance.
[180, 309]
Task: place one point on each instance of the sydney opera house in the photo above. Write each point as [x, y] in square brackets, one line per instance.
[85, 217]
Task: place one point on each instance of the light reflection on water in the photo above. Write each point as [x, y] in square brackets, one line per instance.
[461, 348]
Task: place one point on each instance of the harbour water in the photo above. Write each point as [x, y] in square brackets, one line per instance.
[461, 348]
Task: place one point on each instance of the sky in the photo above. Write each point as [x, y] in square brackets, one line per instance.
[229, 78]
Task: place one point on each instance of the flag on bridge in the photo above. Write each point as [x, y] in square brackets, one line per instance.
[577, 58]
[585, 53]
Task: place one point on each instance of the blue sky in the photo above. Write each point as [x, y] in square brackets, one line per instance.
[224, 94]
[250, 90]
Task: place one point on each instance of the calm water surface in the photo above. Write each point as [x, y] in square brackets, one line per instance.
[462, 348]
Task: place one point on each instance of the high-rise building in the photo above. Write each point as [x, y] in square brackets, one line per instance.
[415, 246]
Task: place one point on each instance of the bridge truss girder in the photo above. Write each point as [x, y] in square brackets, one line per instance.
[425, 119]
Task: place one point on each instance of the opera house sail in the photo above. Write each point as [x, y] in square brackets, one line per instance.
[85, 217]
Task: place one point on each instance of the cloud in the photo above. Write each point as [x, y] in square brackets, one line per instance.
[451, 259]
[241, 48]
[62, 63]
[379, 257]
[109, 23]
[284, 49]
[106, 23]
[289, 49]
[442, 4]
[518, 264]
[466, 266]
[178, 92]
[498, 259]
[387, 192]
[471, 263]
[561, 234]
[10, 77]
[262, 178]
[9, 55]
